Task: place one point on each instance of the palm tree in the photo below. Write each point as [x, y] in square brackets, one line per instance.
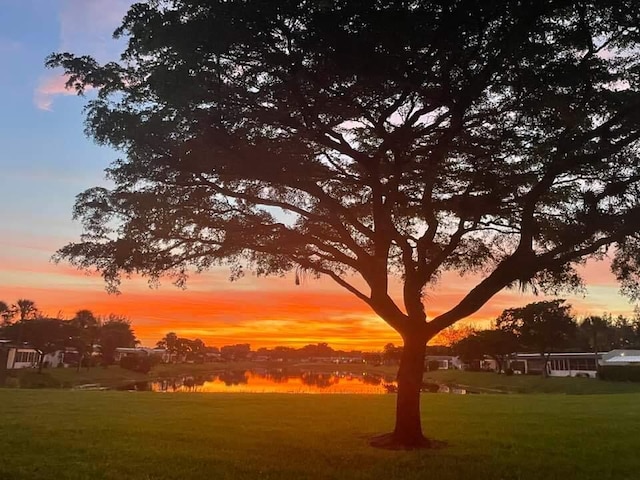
[171, 343]
[86, 325]
[596, 329]
[26, 308]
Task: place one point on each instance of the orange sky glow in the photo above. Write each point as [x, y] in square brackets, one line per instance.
[260, 311]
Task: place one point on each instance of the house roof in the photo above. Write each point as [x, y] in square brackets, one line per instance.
[441, 357]
[7, 344]
[525, 356]
[620, 353]
[630, 356]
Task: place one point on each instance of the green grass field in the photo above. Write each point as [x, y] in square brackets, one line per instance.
[492, 382]
[63, 434]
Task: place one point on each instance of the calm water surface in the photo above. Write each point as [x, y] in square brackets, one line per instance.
[272, 382]
[283, 381]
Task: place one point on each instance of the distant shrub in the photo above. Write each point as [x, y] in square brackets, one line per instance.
[11, 382]
[136, 363]
[29, 378]
[620, 373]
[88, 362]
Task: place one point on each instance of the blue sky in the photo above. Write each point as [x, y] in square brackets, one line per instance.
[46, 160]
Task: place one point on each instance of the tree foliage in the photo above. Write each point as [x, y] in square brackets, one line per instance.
[497, 344]
[236, 352]
[191, 349]
[497, 137]
[115, 332]
[44, 334]
[86, 335]
[25, 309]
[6, 313]
[368, 139]
[391, 354]
[541, 326]
[598, 333]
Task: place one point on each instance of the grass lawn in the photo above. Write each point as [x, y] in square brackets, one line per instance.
[62, 434]
[112, 376]
[489, 381]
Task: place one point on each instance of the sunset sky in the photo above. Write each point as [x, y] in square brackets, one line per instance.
[45, 160]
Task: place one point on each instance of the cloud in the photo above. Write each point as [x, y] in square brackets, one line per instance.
[263, 312]
[48, 88]
[86, 28]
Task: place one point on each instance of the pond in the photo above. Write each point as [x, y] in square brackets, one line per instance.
[281, 381]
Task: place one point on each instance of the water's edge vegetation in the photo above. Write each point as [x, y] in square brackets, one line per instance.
[114, 377]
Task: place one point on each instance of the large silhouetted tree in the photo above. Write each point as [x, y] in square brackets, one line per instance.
[364, 140]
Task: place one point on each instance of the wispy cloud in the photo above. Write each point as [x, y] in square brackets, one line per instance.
[86, 27]
[48, 88]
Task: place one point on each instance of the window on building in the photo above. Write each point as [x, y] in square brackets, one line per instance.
[559, 364]
[583, 364]
[26, 357]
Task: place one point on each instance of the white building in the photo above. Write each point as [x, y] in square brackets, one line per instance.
[61, 358]
[565, 364]
[621, 357]
[445, 362]
[14, 356]
[162, 353]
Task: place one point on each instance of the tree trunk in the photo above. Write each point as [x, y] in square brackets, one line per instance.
[545, 357]
[407, 433]
[408, 430]
[595, 355]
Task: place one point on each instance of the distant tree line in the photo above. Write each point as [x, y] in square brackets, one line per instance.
[540, 327]
[319, 350]
[545, 327]
[188, 349]
[93, 338]
[184, 348]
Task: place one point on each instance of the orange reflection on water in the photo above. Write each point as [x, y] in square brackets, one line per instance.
[251, 382]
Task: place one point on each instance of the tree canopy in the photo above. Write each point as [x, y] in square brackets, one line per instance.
[25, 308]
[362, 140]
[115, 332]
[540, 326]
[6, 312]
[497, 344]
